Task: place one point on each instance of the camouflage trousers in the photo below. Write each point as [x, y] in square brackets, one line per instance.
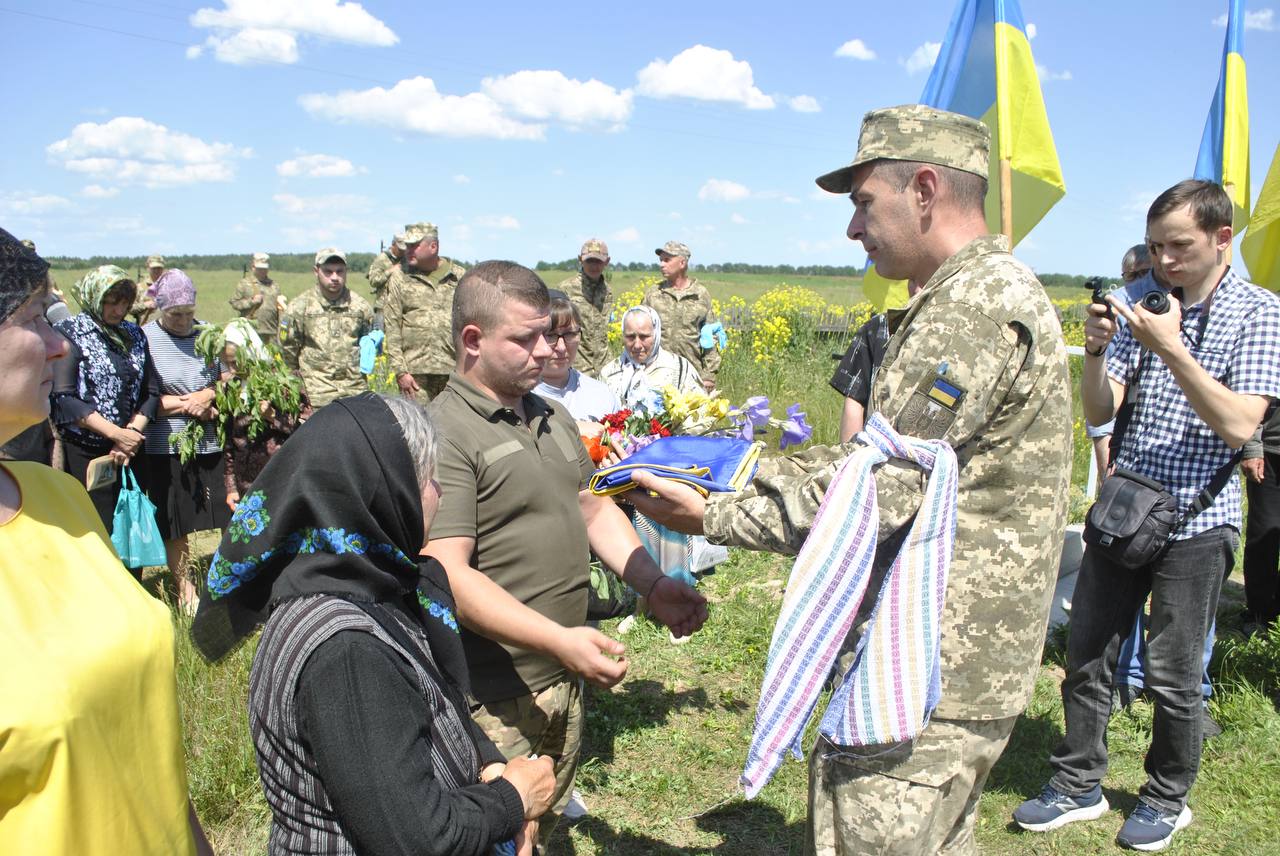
[549, 722]
[430, 385]
[914, 798]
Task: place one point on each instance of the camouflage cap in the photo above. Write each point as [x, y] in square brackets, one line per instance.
[915, 132]
[262, 261]
[398, 240]
[674, 248]
[29, 244]
[155, 261]
[330, 253]
[595, 249]
[416, 233]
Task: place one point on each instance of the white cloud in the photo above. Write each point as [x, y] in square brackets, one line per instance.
[414, 104]
[131, 150]
[31, 204]
[675, 215]
[1046, 75]
[1031, 31]
[722, 190]
[629, 235]
[493, 221]
[318, 166]
[334, 218]
[461, 179]
[737, 219]
[703, 73]
[558, 172]
[254, 31]
[820, 195]
[97, 191]
[922, 58]
[1136, 207]
[549, 95]
[804, 104]
[856, 49]
[1263, 19]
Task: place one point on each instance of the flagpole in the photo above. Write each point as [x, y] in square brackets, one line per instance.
[1006, 198]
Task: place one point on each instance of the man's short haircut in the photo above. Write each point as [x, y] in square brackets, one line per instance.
[563, 311]
[969, 191]
[482, 292]
[1210, 205]
[1137, 258]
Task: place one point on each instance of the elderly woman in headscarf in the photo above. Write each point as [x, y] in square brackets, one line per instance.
[189, 495]
[102, 402]
[645, 366]
[357, 696]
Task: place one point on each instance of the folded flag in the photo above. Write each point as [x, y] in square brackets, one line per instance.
[707, 464]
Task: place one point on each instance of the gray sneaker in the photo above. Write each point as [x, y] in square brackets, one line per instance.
[1052, 809]
[1150, 828]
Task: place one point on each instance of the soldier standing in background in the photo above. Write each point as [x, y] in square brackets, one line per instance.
[144, 302]
[379, 273]
[258, 297]
[416, 314]
[321, 330]
[977, 360]
[589, 292]
[684, 306]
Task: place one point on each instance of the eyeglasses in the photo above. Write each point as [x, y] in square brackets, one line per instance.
[569, 337]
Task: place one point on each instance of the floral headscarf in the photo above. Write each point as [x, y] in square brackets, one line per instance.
[174, 288]
[652, 315]
[90, 291]
[22, 274]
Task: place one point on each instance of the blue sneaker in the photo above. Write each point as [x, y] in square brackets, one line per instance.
[1150, 828]
[1052, 809]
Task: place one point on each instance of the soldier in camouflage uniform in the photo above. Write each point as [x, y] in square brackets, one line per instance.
[416, 314]
[320, 332]
[380, 269]
[258, 297]
[589, 292]
[983, 325]
[684, 306]
[144, 302]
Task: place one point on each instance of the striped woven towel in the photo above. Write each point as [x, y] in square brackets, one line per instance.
[894, 683]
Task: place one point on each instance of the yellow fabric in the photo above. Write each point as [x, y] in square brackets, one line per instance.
[1260, 247]
[1235, 139]
[91, 757]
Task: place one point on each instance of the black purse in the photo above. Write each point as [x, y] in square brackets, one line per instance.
[1134, 517]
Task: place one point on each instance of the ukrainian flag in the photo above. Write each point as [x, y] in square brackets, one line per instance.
[985, 70]
[1260, 247]
[1224, 147]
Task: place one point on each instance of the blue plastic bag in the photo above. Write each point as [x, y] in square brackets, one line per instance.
[134, 532]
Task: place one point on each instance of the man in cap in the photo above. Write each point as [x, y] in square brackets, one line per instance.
[258, 297]
[684, 305]
[590, 294]
[321, 329]
[416, 314]
[976, 360]
[380, 269]
[144, 302]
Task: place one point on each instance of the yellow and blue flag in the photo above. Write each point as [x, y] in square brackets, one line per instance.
[1260, 247]
[1224, 146]
[985, 70]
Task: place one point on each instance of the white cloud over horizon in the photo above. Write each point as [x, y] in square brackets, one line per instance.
[318, 166]
[133, 150]
[549, 95]
[258, 31]
[1262, 19]
[722, 190]
[28, 203]
[804, 104]
[627, 235]
[856, 49]
[496, 221]
[704, 74]
[922, 58]
[97, 191]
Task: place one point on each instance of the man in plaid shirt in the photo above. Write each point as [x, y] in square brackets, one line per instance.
[1209, 367]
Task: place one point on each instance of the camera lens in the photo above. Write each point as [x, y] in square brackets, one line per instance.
[1156, 302]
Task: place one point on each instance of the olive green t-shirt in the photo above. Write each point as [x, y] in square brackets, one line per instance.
[513, 487]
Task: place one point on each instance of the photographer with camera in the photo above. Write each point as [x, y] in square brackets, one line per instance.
[1198, 378]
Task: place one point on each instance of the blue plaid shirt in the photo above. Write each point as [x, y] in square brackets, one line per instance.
[1238, 344]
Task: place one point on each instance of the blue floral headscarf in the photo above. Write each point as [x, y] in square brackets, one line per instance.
[336, 511]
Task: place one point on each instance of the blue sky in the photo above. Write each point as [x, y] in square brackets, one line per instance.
[140, 126]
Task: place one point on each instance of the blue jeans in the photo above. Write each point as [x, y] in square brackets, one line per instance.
[1133, 653]
[1184, 584]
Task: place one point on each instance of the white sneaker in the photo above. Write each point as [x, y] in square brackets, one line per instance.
[625, 625]
[576, 808]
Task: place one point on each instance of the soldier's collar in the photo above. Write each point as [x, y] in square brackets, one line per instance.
[984, 245]
[494, 411]
[341, 300]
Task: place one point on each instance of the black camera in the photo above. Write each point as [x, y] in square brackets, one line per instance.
[1100, 285]
[1155, 302]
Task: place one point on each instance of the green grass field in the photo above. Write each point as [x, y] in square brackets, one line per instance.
[664, 748]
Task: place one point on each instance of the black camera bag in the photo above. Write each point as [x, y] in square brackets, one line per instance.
[1132, 520]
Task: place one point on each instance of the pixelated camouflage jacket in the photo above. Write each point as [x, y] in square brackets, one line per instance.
[985, 328]
[417, 311]
[683, 315]
[595, 307]
[379, 273]
[320, 340]
[266, 317]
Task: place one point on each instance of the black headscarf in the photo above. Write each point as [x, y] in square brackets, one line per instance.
[336, 511]
[22, 274]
